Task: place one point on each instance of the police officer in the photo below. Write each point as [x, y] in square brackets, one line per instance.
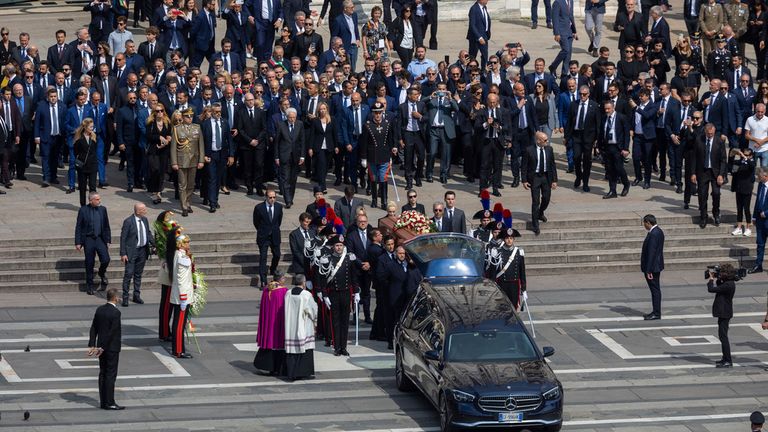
[341, 287]
[719, 60]
[377, 146]
[483, 232]
[315, 248]
[757, 419]
[506, 264]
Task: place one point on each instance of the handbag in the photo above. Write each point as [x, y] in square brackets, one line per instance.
[79, 164]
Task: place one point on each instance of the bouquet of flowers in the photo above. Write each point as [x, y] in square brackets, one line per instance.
[201, 291]
[415, 222]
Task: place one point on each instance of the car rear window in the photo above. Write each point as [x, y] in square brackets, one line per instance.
[489, 346]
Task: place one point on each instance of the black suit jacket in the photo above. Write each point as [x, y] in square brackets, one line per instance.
[111, 84]
[84, 225]
[530, 161]
[299, 263]
[419, 208]
[621, 128]
[317, 134]
[57, 62]
[355, 244]
[129, 237]
[127, 126]
[718, 154]
[105, 328]
[226, 146]
[652, 256]
[249, 130]
[589, 132]
[722, 307]
[159, 52]
[289, 146]
[267, 231]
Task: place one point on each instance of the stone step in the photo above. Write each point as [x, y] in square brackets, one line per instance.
[633, 255]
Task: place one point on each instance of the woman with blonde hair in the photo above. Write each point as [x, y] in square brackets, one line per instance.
[86, 152]
[323, 131]
[158, 150]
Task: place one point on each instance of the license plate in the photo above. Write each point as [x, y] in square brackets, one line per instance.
[510, 417]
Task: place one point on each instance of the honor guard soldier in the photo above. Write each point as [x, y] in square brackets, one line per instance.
[506, 264]
[338, 270]
[719, 60]
[377, 146]
[315, 248]
[483, 231]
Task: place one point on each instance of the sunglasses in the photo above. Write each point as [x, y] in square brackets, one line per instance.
[494, 62]
[411, 196]
[308, 25]
[159, 111]
[437, 210]
[697, 118]
[4, 34]
[744, 80]
[629, 51]
[258, 92]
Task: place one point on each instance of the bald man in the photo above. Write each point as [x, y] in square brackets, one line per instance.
[136, 242]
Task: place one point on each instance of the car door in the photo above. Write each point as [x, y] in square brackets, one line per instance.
[418, 313]
[432, 338]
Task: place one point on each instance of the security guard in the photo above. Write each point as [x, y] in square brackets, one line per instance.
[187, 153]
[506, 264]
[340, 280]
[718, 61]
[377, 146]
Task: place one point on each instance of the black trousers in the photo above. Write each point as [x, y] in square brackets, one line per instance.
[381, 315]
[614, 166]
[722, 334]
[470, 153]
[512, 290]
[365, 292]
[705, 180]
[134, 269]
[340, 310]
[688, 164]
[520, 141]
[541, 192]
[485, 152]
[164, 312]
[641, 157]
[655, 286]
[405, 54]
[253, 167]
[180, 318]
[84, 178]
[20, 157]
[275, 248]
[395, 311]
[108, 362]
[93, 246]
[321, 159]
[660, 149]
[289, 174]
[157, 167]
[743, 204]
[582, 157]
[415, 149]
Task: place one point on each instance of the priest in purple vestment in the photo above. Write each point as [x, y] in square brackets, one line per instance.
[270, 337]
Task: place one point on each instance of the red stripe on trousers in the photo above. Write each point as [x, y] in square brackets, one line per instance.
[180, 331]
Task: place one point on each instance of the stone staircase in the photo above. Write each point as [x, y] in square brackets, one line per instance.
[586, 245]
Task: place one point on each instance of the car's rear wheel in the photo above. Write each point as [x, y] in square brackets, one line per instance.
[445, 416]
[403, 382]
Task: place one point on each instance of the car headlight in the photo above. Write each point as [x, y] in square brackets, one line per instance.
[552, 394]
[460, 396]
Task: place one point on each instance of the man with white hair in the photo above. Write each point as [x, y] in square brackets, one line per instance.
[289, 154]
[135, 242]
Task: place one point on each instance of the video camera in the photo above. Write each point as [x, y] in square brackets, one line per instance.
[714, 271]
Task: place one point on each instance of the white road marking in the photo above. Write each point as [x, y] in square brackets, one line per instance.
[67, 363]
[611, 344]
[639, 318]
[588, 422]
[125, 337]
[683, 341]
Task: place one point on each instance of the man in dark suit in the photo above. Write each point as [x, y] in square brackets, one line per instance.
[26, 110]
[59, 53]
[49, 133]
[32, 88]
[583, 121]
[219, 153]
[152, 49]
[723, 284]
[613, 141]
[346, 23]
[644, 125]
[537, 75]
[250, 123]
[83, 54]
[454, 217]
[564, 27]
[204, 34]
[438, 217]
[402, 280]
[104, 343]
[267, 218]
[289, 154]
[441, 109]
[230, 60]
[10, 113]
[659, 30]
[92, 232]
[736, 72]
[412, 121]
[667, 106]
[492, 130]
[691, 10]
[304, 232]
[716, 108]
[760, 219]
[21, 52]
[675, 125]
[652, 263]
[357, 241]
[266, 17]
[479, 31]
[128, 140]
[351, 127]
[135, 242]
[711, 168]
[346, 206]
[540, 176]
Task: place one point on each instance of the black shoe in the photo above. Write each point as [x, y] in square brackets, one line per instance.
[368, 321]
[679, 189]
[591, 47]
[104, 281]
[249, 191]
[288, 205]
[429, 179]
[344, 352]
[577, 183]
[121, 166]
[470, 179]
[337, 182]
[585, 188]
[125, 302]
[138, 300]
[184, 356]
[184, 213]
[89, 291]
[69, 191]
[2, 192]
[672, 182]
[390, 346]
[418, 182]
[205, 201]
[260, 192]
[536, 231]
[45, 184]
[113, 407]
[549, 25]
[336, 352]
[189, 210]
[156, 201]
[646, 185]
[501, 186]
[636, 182]
[651, 317]
[723, 364]
[625, 191]
[703, 223]
[543, 218]
[534, 25]
[515, 182]
[662, 178]
[409, 185]
[686, 206]
[21, 177]
[755, 269]
[655, 168]
[716, 220]
[212, 209]
[55, 181]
[130, 189]
[496, 192]
[610, 195]
[569, 170]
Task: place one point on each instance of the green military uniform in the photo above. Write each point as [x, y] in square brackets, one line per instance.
[737, 16]
[711, 22]
[187, 152]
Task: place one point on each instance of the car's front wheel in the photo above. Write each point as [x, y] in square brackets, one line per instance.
[445, 416]
[403, 382]
[552, 428]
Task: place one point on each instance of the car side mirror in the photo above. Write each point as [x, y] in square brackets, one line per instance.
[432, 355]
[547, 351]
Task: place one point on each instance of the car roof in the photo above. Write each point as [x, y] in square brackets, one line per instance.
[476, 304]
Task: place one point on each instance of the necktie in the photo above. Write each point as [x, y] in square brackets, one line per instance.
[450, 214]
[683, 116]
[210, 23]
[312, 105]
[762, 195]
[54, 121]
[269, 9]
[608, 129]
[269, 210]
[364, 238]
[346, 101]
[357, 121]
[439, 225]
[141, 234]
[80, 114]
[541, 160]
[709, 152]
[414, 125]
[664, 114]
[306, 235]
[439, 111]
[583, 115]
[485, 15]
[746, 93]
[250, 113]
[218, 134]
[226, 62]
[290, 128]
[523, 121]
[151, 50]
[607, 83]
[231, 112]
[30, 91]
[61, 52]
[7, 112]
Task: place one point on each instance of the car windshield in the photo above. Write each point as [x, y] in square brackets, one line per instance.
[489, 346]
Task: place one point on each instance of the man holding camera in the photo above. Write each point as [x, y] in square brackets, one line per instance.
[652, 263]
[722, 282]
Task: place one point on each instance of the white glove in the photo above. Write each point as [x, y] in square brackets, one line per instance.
[357, 298]
[320, 296]
[364, 163]
[327, 302]
[308, 284]
[183, 305]
[525, 295]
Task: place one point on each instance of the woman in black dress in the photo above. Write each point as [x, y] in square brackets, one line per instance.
[6, 45]
[86, 157]
[158, 150]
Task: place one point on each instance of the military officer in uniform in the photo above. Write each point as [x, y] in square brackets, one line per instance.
[718, 61]
[506, 264]
[187, 153]
[737, 15]
[484, 231]
[711, 22]
[341, 287]
[377, 146]
[314, 249]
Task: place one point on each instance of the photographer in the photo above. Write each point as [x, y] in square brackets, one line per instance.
[723, 284]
